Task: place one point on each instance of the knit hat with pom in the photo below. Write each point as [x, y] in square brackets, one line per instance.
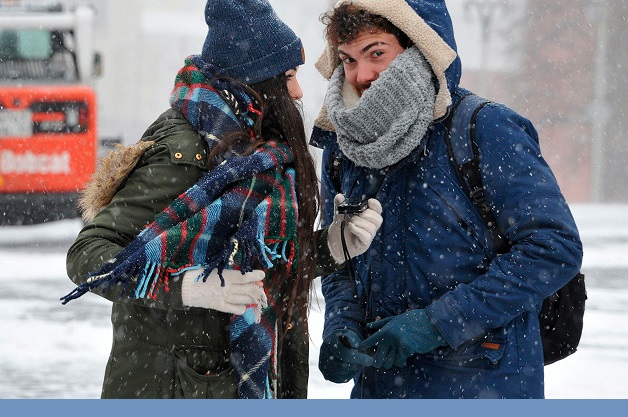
[248, 41]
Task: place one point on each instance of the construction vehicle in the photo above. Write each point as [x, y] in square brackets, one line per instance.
[48, 114]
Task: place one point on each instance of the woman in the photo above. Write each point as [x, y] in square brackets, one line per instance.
[210, 300]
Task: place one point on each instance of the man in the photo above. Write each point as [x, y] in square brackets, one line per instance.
[430, 310]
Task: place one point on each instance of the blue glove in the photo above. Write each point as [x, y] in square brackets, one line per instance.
[399, 337]
[339, 359]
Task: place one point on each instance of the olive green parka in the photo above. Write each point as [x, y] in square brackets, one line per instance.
[162, 349]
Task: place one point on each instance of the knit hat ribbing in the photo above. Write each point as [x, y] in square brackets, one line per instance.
[247, 40]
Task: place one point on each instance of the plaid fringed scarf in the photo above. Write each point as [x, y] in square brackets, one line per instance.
[241, 215]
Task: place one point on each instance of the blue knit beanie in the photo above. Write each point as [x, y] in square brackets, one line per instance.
[248, 41]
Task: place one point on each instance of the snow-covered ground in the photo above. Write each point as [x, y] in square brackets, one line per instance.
[52, 351]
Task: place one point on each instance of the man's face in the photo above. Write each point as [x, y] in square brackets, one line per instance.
[367, 56]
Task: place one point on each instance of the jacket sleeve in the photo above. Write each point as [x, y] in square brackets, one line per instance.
[545, 252]
[342, 310]
[160, 175]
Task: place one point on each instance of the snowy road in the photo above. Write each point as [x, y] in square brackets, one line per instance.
[52, 351]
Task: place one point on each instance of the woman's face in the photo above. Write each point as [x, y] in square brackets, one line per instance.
[294, 88]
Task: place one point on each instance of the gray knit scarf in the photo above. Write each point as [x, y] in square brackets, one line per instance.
[389, 121]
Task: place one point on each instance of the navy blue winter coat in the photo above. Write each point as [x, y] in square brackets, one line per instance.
[434, 252]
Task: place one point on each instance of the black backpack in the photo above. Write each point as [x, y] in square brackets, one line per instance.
[561, 316]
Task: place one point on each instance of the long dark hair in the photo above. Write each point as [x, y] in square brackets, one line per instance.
[280, 119]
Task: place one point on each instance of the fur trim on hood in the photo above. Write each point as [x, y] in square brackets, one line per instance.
[111, 173]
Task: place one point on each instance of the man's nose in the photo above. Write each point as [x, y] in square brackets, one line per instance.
[366, 74]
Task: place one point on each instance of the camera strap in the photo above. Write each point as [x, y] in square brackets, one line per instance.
[349, 262]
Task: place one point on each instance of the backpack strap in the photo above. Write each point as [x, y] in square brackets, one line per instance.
[463, 154]
[561, 315]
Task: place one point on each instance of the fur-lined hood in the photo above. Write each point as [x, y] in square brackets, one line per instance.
[428, 24]
[171, 130]
[112, 171]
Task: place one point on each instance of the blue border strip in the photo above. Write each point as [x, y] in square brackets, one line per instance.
[317, 408]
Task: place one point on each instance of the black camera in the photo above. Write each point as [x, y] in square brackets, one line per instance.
[352, 206]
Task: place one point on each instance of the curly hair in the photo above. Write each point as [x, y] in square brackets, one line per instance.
[344, 23]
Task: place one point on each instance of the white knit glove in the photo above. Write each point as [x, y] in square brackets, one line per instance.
[240, 291]
[360, 229]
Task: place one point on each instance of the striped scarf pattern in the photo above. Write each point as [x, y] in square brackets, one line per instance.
[241, 215]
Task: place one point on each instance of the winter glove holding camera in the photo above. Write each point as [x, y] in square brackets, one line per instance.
[399, 337]
[360, 229]
[239, 292]
[339, 359]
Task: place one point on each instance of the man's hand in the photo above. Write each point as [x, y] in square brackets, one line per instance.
[339, 359]
[360, 229]
[399, 337]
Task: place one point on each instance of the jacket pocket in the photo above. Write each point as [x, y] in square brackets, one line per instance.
[203, 373]
[484, 354]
